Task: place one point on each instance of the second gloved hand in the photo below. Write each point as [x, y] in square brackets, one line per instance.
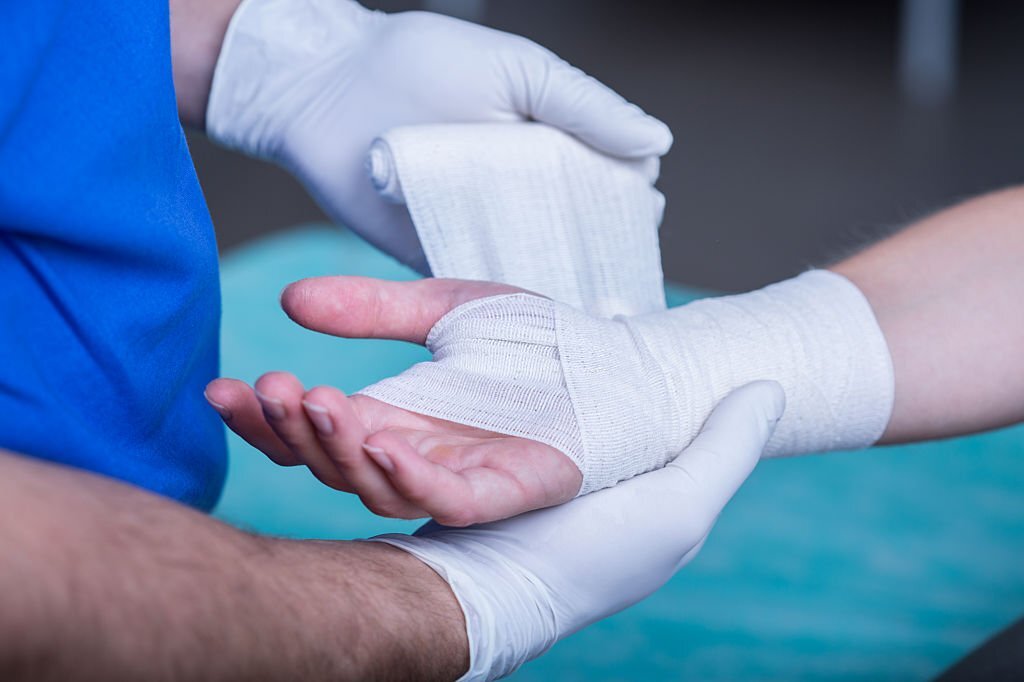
[310, 84]
[527, 582]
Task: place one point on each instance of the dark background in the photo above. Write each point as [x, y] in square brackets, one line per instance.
[796, 136]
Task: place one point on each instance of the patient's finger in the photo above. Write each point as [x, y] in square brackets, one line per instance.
[280, 394]
[236, 402]
[472, 495]
[341, 433]
[361, 307]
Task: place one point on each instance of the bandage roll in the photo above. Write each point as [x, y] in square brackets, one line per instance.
[380, 163]
[528, 205]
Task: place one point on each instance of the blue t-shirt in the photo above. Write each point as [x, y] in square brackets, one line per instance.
[109, 299]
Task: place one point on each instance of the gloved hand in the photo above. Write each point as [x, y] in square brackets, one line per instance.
[527, 582]
[310, 83]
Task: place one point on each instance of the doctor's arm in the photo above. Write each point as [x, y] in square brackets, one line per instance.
[309, 84]
[105, 581]
[197, 33]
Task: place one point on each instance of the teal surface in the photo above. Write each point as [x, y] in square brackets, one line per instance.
[886, 564]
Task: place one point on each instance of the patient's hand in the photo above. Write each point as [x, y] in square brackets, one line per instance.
[400, 463]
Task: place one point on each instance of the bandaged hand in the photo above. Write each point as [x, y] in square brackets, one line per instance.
[310, 83]
[529, 402]
[401, 463]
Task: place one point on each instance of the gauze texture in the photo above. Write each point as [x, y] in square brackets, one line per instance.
[528, 205]
[624, 396]
[603, 372]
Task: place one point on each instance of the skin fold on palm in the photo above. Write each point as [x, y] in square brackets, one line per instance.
[400, 463]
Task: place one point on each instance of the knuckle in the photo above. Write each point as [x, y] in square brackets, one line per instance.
[320, 395]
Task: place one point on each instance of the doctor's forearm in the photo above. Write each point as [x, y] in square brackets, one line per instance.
[105, 581]
[197, 32]
[948, 293]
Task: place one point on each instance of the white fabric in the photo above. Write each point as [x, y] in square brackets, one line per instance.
[529, 205]
[624, 396]
[815, 334]
[526, 582]
[309, 84]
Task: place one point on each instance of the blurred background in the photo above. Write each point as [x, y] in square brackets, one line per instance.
[802, 128]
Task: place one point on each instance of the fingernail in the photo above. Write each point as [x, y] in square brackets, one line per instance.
[380, 457]
[222, 410]
[320, 417]
[272, 407]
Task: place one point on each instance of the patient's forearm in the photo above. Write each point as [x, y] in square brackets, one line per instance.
[104, 581]
[948, 294]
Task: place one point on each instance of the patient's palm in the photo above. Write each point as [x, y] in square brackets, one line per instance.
[485, 475]
[415, 465]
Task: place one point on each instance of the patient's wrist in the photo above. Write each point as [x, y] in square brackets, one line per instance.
[814, 334]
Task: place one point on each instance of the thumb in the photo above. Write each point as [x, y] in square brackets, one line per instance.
[552, 91]
[725, 452]
[362, 307]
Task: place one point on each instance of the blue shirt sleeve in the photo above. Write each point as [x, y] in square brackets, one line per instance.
[109, 306]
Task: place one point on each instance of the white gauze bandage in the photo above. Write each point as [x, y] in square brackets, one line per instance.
[624, 396]
[618, 396]
[529, 205]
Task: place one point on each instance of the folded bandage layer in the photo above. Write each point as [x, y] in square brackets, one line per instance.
[624, 395]
[529, 205]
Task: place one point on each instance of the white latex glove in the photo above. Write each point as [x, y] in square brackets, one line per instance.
[526, 582]
[310, 84]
